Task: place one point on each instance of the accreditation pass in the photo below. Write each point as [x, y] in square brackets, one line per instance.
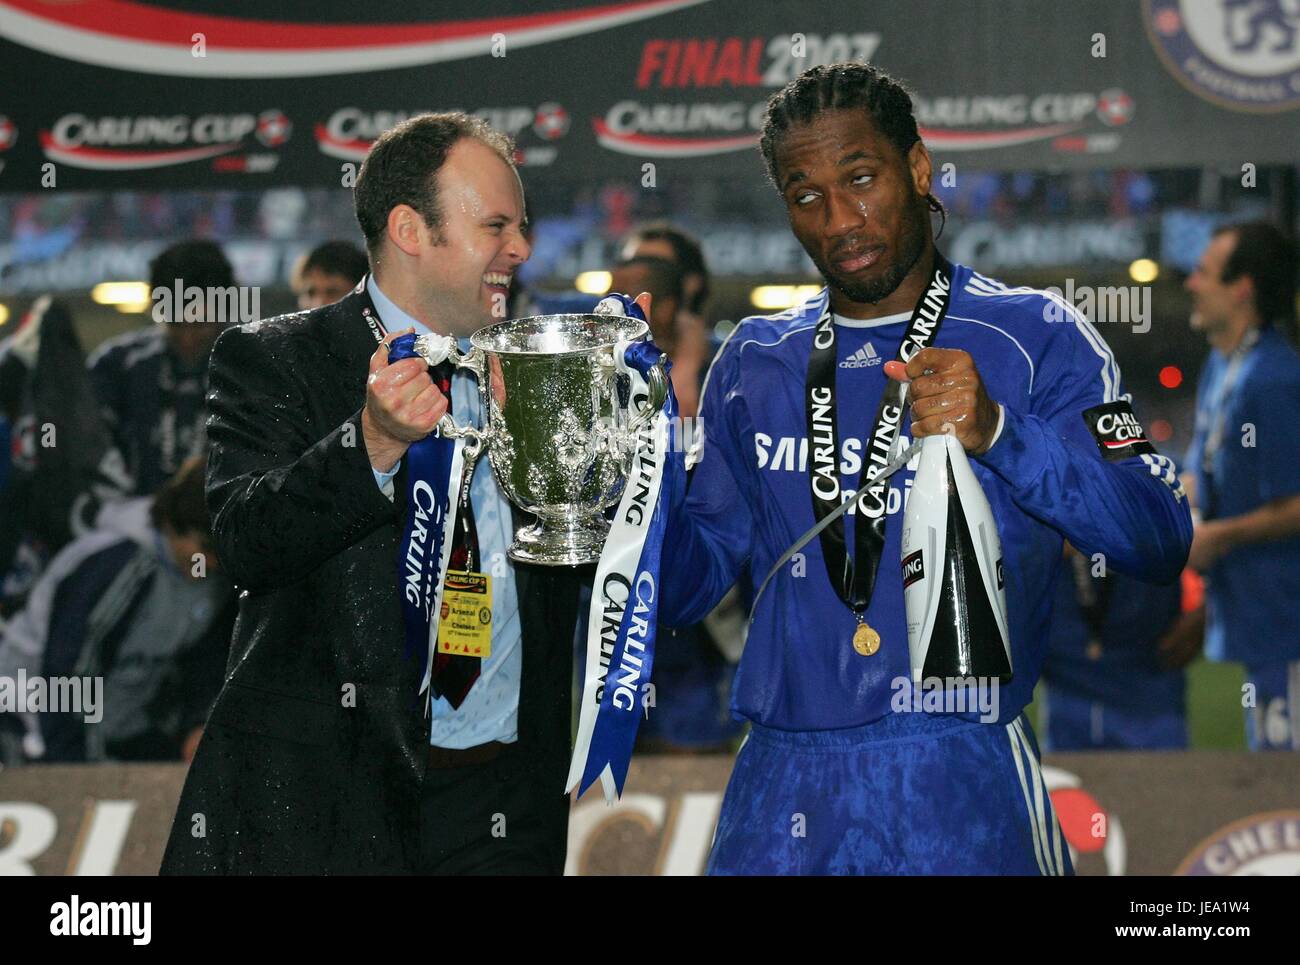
[465, 623]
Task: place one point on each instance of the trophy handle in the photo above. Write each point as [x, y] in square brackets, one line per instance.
[475, 442]
[657, 385]
[474, 360]
[436, 349]
[475, 439]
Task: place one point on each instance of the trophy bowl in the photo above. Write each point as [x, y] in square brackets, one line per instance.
[561, 424]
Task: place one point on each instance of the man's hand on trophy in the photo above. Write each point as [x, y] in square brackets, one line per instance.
[402, 405]
[946, 388]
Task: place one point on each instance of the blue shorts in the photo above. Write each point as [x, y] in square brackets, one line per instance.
[1073, 723]
[908, 794]
[1273, 724]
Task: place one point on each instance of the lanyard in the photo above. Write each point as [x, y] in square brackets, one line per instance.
[373, 321]
[1219, 414]
[854, 578]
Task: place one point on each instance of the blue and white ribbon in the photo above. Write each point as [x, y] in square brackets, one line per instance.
[625, 594]
[433, 470]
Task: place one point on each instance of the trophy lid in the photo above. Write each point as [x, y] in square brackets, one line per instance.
[558, 334]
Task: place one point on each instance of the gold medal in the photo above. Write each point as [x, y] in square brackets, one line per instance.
[866, 641]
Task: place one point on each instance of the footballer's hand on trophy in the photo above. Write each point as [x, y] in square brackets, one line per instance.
[945, 388]
[402, 405]
[617, 304]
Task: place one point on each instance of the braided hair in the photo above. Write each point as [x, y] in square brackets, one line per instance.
[849, 86]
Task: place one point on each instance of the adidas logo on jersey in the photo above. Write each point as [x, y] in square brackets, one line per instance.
[862, 358]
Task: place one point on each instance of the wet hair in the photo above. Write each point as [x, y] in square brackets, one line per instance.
[179, 504]
[665, 277]
[198, 264]
[403, 164]
[340, 258]
[1268, 257]
[843, 86]
[687, 253]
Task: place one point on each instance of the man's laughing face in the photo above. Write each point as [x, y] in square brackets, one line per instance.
[480, 242]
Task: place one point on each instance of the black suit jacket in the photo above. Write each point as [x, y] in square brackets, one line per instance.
[316, 747]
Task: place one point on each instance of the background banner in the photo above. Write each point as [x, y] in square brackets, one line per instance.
[200, 93]
[1198, 812]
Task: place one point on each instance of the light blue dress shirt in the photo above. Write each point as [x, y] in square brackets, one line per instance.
[491, 710]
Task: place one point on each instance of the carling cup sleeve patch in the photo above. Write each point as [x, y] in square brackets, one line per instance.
[1118, 433]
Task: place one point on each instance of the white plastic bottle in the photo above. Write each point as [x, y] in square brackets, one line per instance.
[953, 590]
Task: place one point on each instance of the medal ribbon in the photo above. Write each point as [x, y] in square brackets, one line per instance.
[854, 578]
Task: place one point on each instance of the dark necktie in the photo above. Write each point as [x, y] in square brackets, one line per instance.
[454, 674]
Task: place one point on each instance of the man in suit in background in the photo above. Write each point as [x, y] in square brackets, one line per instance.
[319, 755]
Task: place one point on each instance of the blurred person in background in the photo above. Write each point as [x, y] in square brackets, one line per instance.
[154, 622]
[1243, 470]
[692, 673]
[663, 280]
[152, 382]
[717, 642]
[722, 633]
[327, 273]
[1113, 676]
[662, 239]
[64, 475]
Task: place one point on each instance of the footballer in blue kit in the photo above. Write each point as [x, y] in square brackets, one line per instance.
[844, 770]
[1113, 675]
[1242, 464]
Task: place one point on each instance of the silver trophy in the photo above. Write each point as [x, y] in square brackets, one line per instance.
[561, 423]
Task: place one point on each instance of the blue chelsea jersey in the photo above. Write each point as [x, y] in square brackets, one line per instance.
[1251, 591]
[1045, 477]
[1125, 673]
